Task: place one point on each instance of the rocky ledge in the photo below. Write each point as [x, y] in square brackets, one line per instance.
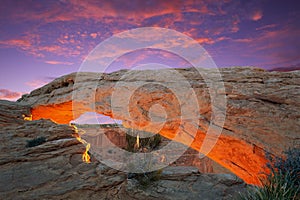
[261, 115]
[53, 168]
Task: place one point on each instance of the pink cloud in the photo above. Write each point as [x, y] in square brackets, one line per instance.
[207, 40]
[266, 27]
[269, 47]
[110, 12]
[9, 95]
[54, 62]
[22, 43]
[36, 83]
[204, 40]
[27, 43]
[133, 12]
[190, 17]
[244, 40]
[93, 35]
[96, 10]
[32, 46]
[235, 24]
[58, 50]
[257, 15]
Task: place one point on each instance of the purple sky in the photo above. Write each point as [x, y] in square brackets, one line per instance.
[41, 40]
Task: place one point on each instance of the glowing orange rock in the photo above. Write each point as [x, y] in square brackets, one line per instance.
[262, 110]
[27, 118]
[85, 156]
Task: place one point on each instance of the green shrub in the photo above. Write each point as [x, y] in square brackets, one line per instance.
[145, 179]
[289, 165]
[283, 181]
[35, 142]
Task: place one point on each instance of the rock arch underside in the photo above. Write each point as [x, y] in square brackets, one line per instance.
[262, 110]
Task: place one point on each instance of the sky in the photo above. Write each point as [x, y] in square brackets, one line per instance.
[42, 40]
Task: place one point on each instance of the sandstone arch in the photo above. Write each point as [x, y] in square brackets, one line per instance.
[262, 110]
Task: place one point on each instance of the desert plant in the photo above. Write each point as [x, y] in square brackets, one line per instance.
[290, 165]
[150, 143]
[35, 142]
[143, 178]
[283, 181]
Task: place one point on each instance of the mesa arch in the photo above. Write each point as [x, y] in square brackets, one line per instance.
[262, 112]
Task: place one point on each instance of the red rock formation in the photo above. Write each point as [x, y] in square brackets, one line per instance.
[53, 169]
[262, 109]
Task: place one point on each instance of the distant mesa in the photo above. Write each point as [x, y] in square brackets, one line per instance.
[286, 69]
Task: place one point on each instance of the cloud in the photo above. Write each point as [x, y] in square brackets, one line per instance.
[133, 12]
[34, 47]
[266, 27]
[64, 29]
[244, 40]
[9, 95]
[59, 50]
[205, 40]
[257, 15]
[36, 83]
[142, 59]
[272, 46]
[113, 17]
[59, 11]
[93, 35]
[22, 43]
[55, 62]
[235, 24]
[208, 40]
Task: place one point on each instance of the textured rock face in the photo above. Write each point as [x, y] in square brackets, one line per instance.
[50, 170]
[262, 112]
[54, 169]
[117, 135]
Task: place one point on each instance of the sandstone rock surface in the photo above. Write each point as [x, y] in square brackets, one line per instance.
[116, 133]
[54, 169]
[262, 110]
